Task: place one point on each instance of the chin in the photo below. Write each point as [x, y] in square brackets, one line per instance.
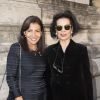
[63, 38]
[34, 43]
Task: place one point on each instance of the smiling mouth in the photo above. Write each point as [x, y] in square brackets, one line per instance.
[33, 39]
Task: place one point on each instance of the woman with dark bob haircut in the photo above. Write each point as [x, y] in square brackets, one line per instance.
[69, 69]
[26, 65]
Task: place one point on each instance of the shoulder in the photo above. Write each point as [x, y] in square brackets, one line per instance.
[82, 49]
[49, 49]
[15, 44]
[78, 47]
[14, 47]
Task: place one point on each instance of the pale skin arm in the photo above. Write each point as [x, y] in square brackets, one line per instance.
[19, 98]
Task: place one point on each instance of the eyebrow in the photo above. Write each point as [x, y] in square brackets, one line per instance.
[64, 25]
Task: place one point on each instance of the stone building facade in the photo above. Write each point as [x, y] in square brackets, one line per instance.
[13, 12]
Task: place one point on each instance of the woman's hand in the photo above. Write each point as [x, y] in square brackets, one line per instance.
[19, 98]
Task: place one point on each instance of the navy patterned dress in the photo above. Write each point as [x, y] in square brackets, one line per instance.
[33, 85]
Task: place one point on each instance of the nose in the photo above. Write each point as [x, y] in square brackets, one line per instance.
[63, 29]
[33, 34]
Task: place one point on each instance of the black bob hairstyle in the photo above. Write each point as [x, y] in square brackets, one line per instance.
[26, 24]
[66, 14]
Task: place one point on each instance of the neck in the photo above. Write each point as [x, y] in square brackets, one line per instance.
[33, 47]
[64, 44]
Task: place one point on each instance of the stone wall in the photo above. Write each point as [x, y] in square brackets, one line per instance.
[13, 12]
[96, 3]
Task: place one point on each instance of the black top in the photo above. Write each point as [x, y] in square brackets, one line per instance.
[32, 73]
[70, 76]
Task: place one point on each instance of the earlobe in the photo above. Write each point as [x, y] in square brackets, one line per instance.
[71, 32]
[25, 34]
[56, 36]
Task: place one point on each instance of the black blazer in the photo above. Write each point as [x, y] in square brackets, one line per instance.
[69, 73]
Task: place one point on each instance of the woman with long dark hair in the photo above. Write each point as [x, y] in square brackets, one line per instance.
[27, 53]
